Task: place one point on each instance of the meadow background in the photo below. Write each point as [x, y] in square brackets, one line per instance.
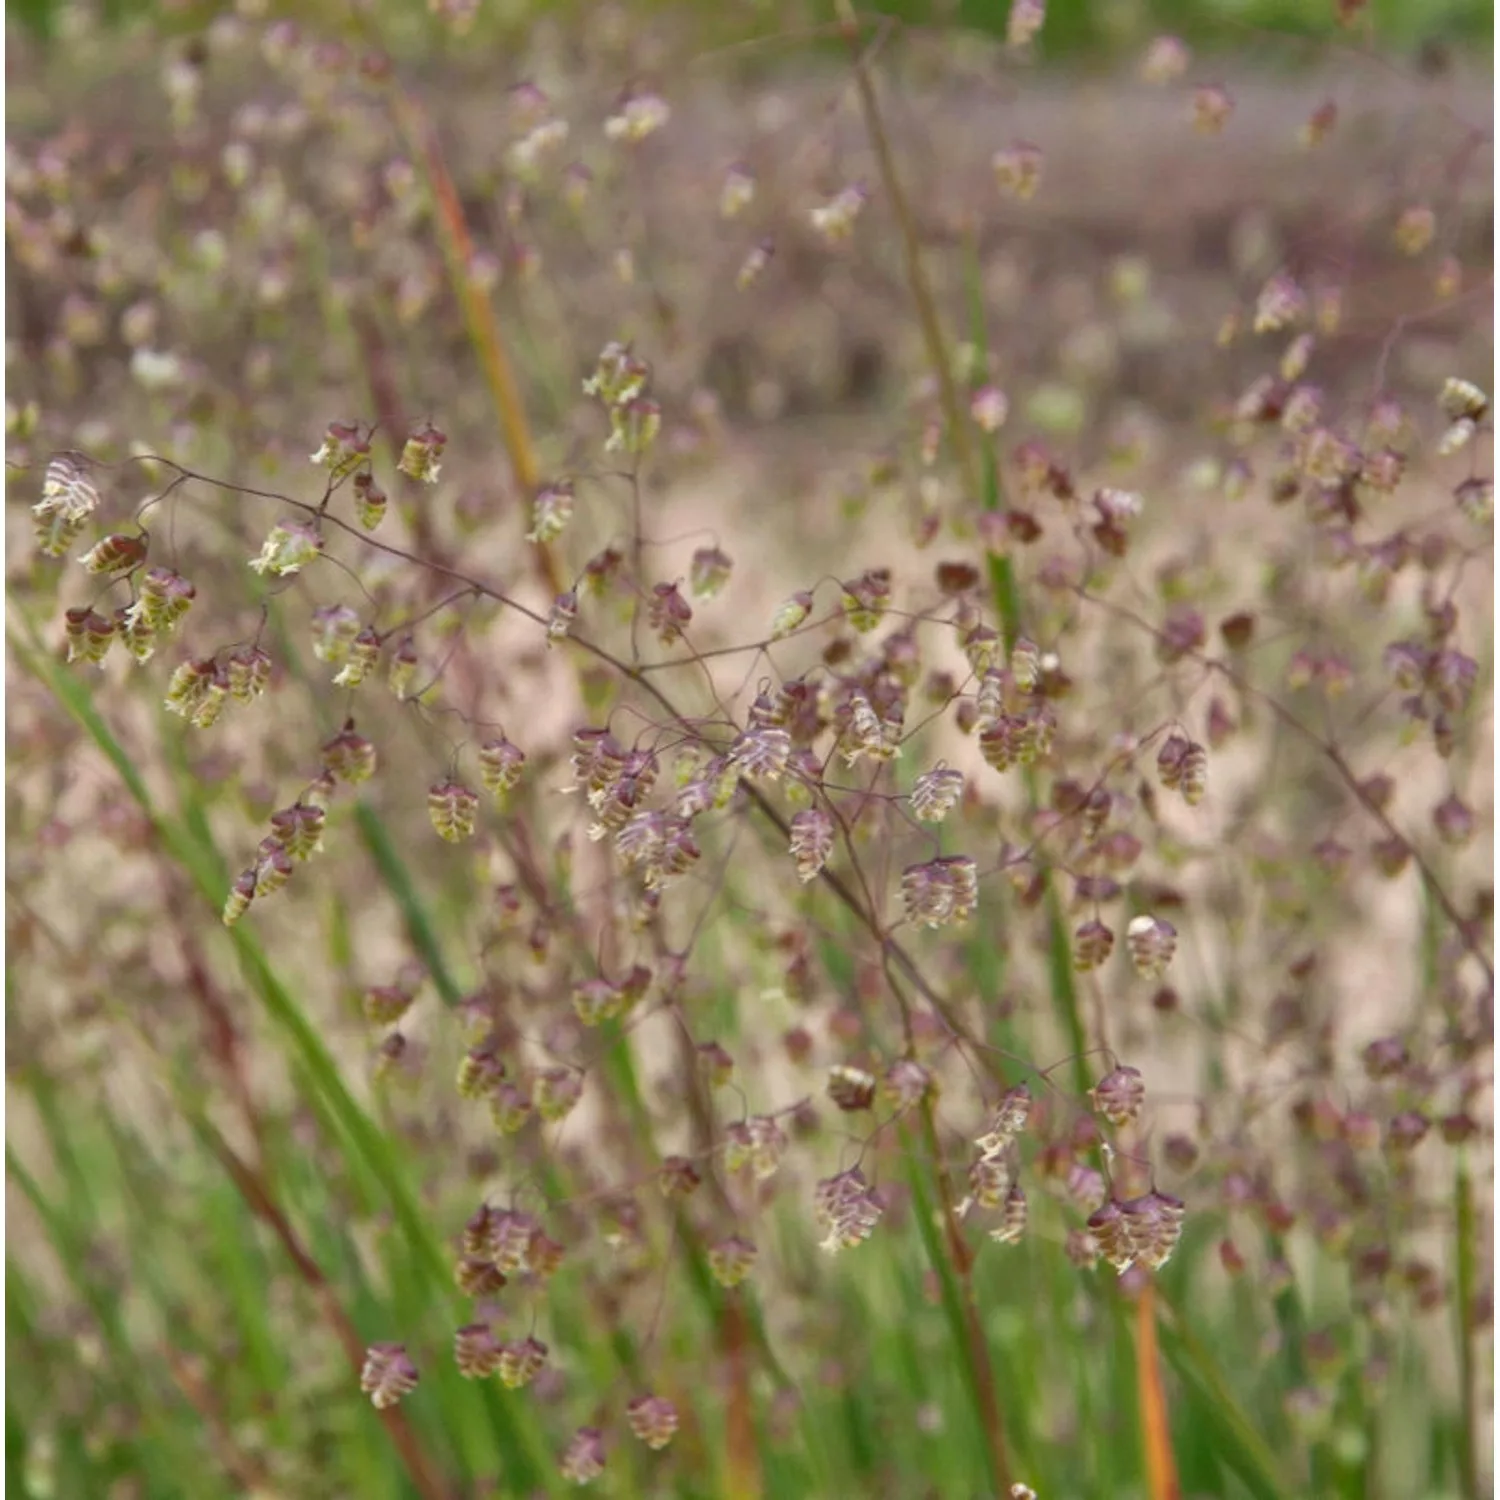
[1164, 455]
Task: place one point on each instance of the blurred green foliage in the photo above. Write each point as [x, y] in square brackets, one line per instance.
[1074, 29]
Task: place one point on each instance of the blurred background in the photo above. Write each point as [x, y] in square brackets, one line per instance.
[237, 1157]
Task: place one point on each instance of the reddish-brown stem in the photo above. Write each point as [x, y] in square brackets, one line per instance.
[244, 1468]
[257, 1195]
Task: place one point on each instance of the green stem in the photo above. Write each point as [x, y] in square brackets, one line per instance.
[951, 1260]
[1464, 1237]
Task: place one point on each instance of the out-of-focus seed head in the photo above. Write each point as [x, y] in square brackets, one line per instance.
[637, 116]
[1415, 229]
[709, 571]
[906, 1083]
[89, 635]
[68, 500]
[1025, 20]
[1386, 1057]
[1180, 1152]
[344, 449]
[388, 1374]
[668, 613]
[191, 688]
[1183, 632]
[555, 1092]
[583, 1459]
[422, 452]
[1315, 129]
[1476, 499]
[114, 554]
[299, 829]
[452, 808]
[1082, 1249]
[1231, 1257]
[1309, 1409]
[597, 1000]
[989, 406]
[551, 511]
[851, 1089]
[511, 1106]
[990, 1180]
[520, 1362]
[619, 375]
[335, 627]
[403, 668]
[1084, 1187]
[370, 501]
[633, 426]
[1282, 304]
[1108, 1228]
[385, 1004]
[1449, 280]
[273, 868]
[1454, 821]
[1093, 942]
[812, 839]
[1407, 1130]
[791, 614]
[936, 792]
[1212, 106]
[500, 765]
[1152, 942]
[1166, 60]
[1193, 774]
[544, 1255]
[480, 1072]
[758, 1143]
[678, 1177]
[476, 1351]
[1012, 1225]
[714, 1064]
[753, 267]
[847, 1209]
[241, 894]
[478, 1276]
[249, 670]
[653, 1419]
[941, 892]
[870, 734]
[1018, 170]
[1295, 357]
[731, 1260]
[165, 597]
[866, 599]
[509, 1239]
[290, 547]
[1007, 1122]
[1119, 1095]
[737, 192]
[1170, 761]
[835, 219]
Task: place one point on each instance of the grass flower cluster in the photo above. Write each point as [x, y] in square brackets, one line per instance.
[711, 797]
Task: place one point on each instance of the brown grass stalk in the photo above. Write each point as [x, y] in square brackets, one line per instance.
[478, 311]
[253, 1189]
[1156, 1434]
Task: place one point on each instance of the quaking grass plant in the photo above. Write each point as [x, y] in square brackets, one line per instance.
[970, 979]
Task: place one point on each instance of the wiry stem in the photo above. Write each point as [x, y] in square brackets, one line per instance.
[916, 273]
[976, 1348]
[1463, 928]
